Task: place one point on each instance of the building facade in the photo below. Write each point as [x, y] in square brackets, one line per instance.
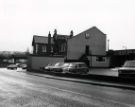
[91, 42]
[90, 46]
[56, 45]
[40, 45]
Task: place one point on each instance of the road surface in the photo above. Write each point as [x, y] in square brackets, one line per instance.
[19, 89]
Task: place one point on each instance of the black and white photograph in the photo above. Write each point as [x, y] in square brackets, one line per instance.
[67, 53]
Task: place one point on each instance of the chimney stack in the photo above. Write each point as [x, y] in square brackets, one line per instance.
[71, 34]
[55, 31]
[49, 42]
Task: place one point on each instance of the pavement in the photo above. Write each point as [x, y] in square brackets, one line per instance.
[98, 73]
[104, 71]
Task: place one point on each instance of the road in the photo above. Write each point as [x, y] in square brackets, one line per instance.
[19, 89]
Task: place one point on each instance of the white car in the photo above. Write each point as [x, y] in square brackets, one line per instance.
[128, 69]
[76, 68]
[58, 67]
[48, 67]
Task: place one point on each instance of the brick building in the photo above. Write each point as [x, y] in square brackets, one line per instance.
[90, 46]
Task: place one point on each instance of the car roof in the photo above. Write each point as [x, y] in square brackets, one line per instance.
[130, 61]
[12, 65]
[77, 62]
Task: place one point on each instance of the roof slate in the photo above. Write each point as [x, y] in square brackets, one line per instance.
[41, 39]
[63, 36]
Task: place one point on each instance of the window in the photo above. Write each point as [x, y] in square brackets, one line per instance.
[36, 49]
[81, 65]
[43, 48]
[87, 35]
[100, 59]
[63, 47]
[52, 48]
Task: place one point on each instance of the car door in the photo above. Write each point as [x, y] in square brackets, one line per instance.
[75, 69]
[82, 68]
[78, 68]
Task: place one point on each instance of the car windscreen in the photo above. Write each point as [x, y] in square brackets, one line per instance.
[51, 64]
[66, 64]
[129, 64]
[82, 65]
[12, 65]
[59, 64]
[77, 65]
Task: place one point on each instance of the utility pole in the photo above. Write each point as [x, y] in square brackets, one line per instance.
[108, 44]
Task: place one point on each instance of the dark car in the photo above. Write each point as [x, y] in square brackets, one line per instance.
[12, 66]
[23, 66]
[76, 68]
[127, 70]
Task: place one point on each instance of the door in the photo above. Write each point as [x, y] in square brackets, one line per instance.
[87, 51]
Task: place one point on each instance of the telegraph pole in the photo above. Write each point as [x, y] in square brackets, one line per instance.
[108, 44]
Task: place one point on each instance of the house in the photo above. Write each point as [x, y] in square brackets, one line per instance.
[56, 45]
[88, 46]
[40, 45]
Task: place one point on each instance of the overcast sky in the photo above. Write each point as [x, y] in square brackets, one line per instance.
[21, 19]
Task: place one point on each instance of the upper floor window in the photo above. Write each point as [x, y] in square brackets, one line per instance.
[36, 49]
[87, 35]
[44, 49]
[63, 47]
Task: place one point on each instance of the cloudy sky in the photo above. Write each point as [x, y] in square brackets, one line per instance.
[21, 19]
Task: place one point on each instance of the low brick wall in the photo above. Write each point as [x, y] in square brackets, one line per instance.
[36, 62]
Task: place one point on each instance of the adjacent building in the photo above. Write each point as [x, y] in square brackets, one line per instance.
[118, 57]
[40, 45]
[56, 45]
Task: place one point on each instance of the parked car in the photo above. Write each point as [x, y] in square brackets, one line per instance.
[76, 68]
[48, 67]
[54, 67]
[58, 67]
[12, 66]
[128, 69]
[68, 67]
[23, 66]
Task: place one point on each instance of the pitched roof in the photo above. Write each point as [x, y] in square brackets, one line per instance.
[90, 29]
[59, 36]
[40, 39]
